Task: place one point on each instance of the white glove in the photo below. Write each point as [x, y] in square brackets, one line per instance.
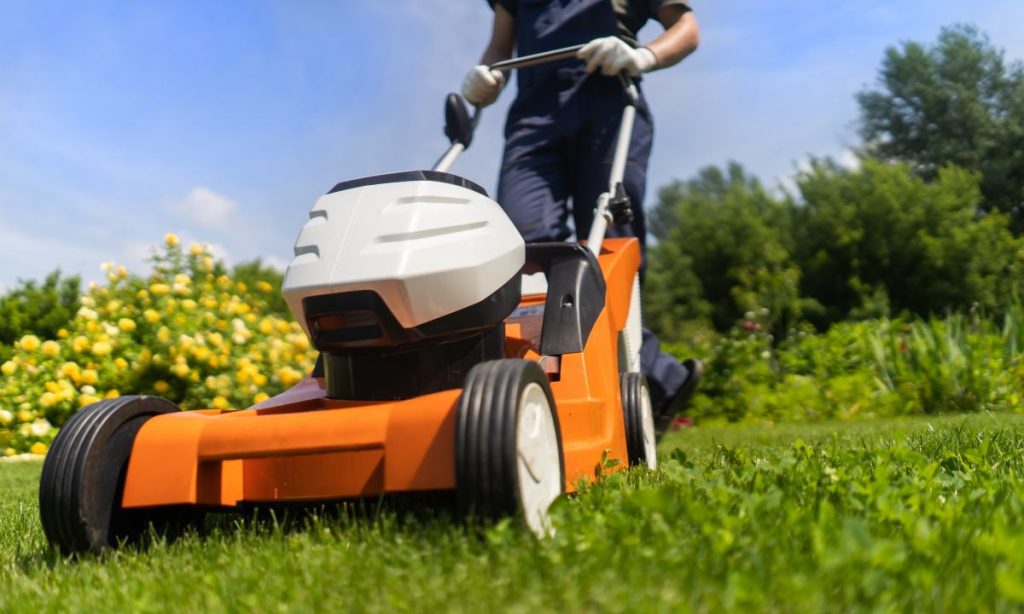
[614, 56]
[482, 85]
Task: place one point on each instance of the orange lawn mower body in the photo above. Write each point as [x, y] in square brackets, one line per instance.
[303, 446]
[454, 358]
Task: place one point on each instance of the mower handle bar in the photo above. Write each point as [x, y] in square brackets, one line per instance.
[537, 58]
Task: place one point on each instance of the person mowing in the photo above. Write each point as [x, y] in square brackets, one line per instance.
[561, 130]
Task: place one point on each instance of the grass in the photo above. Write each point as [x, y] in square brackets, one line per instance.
[907, 514]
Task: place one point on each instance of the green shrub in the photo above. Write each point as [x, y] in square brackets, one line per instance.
[39, 309]
[187, 332]
[876, 367]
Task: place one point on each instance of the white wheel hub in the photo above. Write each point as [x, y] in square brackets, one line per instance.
[647, 426]
[538, 470]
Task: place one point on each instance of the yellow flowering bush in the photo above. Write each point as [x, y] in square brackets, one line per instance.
[187, 332]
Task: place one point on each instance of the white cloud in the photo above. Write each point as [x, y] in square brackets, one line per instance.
[849, 159]
[205, 208]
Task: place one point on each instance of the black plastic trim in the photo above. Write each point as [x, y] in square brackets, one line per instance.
[360, 321]
[576, 294]
[404, 375]
[404, 176]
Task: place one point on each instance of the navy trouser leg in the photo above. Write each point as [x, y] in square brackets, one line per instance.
[533, 187]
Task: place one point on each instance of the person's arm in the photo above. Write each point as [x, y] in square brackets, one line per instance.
[680, 38]
[482, 85]
[503, 37]
[613, 55]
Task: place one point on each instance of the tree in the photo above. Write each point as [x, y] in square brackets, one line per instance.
[723, 251]
[880, 237]
[39, 309]
[956, 102]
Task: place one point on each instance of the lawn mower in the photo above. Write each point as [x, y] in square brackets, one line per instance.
[453, 358]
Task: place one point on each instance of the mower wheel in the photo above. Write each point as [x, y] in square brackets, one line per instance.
[83, 475]
[508, 444]
[641, 444]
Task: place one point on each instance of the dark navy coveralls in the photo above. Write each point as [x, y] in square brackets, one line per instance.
[559, 141]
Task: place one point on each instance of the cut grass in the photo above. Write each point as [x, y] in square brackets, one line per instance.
[910, 514]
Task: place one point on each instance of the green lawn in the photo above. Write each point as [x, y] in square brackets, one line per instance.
[910, 514]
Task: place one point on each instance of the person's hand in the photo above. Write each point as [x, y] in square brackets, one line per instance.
[482, 85]
[612, 55]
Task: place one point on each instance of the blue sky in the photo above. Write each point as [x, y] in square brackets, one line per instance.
[224, 121]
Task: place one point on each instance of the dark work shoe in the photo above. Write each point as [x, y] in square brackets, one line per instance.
[668, 412]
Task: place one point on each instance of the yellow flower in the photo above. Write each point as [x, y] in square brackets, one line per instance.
[122, 272]
[264, 286]
[8, 368]
[87, 399]
[151, 315]
[220, 402]
[10, 452]
[62, 333]
[120, 363]
[188, 304]
[126, 325]
[143, 294]
[289, 376]
[80, 344]
[161, 386]
[163, 335]
[38, 448]
[70, 369]
[49, 399]
[51, 348]
[29, 343]
[112, 394]
[101, 348]
[159, 289]
[89, 376]
[172, 240]
[181, 369]
[25, 416]
[260, 397]
[241, 287]
[196, 249]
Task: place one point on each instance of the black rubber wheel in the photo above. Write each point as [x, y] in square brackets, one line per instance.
[641, 444]
[83, 475]
[508, 444]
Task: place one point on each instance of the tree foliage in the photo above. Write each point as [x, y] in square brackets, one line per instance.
[856, 243]
[955, 102]
[38, 308]
[881, 238]
[723, 251]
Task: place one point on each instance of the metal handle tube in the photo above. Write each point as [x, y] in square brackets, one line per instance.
[448, 157]
[537, 58]
[602, 217]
